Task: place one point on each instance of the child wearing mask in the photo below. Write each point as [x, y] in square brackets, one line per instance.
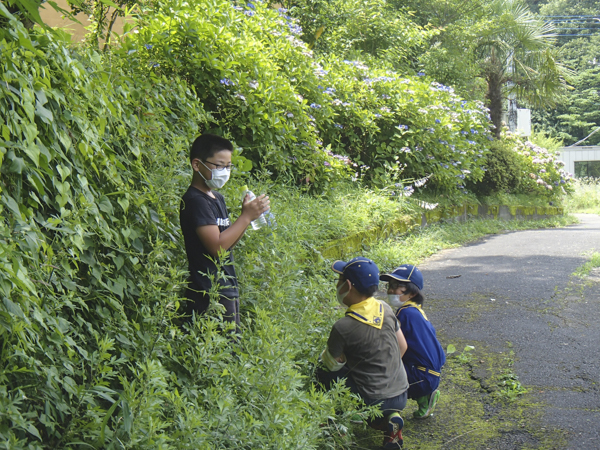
[206, 229]
[365, 348]
[425, 356]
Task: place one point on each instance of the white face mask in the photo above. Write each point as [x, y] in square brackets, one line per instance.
[219, 177]
[340, 297]
[394, 300]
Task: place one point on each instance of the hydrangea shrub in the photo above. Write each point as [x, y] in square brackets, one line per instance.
[299, 116]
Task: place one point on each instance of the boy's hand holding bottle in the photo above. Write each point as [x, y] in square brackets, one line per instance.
[255, 207]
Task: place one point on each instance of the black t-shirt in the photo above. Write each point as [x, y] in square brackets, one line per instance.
[198, 209]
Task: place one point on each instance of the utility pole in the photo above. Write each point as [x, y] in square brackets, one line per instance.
[511, 109]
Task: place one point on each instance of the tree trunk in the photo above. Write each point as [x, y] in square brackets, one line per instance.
[20, 12]
[494, 100]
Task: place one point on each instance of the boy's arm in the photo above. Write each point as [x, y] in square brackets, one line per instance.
[214, 240]
[401, 342]
[335, 346]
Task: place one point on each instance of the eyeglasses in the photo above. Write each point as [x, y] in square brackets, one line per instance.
[220, 167]
[393, 285]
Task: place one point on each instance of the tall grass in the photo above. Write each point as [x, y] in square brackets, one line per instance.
[586, 197]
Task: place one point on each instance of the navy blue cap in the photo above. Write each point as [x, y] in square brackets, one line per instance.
[362, 272]
[407, 273]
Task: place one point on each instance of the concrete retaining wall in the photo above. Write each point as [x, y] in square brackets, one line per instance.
[337, 249]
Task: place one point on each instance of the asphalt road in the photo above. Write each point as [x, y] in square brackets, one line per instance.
[517, 288]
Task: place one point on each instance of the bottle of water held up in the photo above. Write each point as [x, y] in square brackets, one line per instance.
[261, 221]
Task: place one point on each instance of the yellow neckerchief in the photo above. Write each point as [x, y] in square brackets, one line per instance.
[408, 304]
[369, 311]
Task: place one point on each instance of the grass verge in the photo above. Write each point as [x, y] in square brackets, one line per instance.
[586, 197]
[415, 247]
[584, 270]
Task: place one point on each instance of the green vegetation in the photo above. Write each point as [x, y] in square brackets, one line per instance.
[482, 405]
[592, 264]
[576, 114]
[585, 198]
[93, 161]
[415, 247]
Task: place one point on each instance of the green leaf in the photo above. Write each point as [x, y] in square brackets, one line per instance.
[33, 430]
[24, 39]
[111, 4]
[137, 244]
[5, 12]
[34, 154]
[124, 203]
[17, 163]
[41, 97]
[63, 171]
[450, 349]
[105, 205]
[13, 308]
[32, 8]
[44, 113]
[12, 205]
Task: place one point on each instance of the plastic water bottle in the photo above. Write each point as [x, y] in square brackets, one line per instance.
[261, 221]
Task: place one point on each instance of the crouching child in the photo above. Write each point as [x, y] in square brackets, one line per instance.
[425, 356]
[365, 348]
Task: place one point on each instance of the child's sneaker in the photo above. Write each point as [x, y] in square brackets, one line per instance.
[426, 405]
[393, 437]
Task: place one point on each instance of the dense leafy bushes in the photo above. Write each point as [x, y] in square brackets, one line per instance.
[516, 166]
[295, 114]
[373, 30]
[503, 171]
[92, 262]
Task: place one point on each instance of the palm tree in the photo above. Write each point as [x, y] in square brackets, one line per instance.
[516, 56]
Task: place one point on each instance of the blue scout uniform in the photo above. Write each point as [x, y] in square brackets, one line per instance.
[425, 356]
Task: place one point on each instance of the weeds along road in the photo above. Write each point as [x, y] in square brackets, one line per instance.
[516, 292]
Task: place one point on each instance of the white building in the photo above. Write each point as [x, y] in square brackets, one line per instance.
[581, 161]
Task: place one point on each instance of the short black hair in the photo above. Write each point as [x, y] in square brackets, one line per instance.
[410, 289]
[206, 145]
[369, 292]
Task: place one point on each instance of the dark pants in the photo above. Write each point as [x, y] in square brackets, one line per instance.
[387, 406]
[199, 302]
[421, 383]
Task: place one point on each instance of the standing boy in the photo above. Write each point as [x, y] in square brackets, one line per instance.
[365, 347]
[425, 356]
[206, 228]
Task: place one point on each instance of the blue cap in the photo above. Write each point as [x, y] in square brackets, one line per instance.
[407, 273]
[362, 272]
